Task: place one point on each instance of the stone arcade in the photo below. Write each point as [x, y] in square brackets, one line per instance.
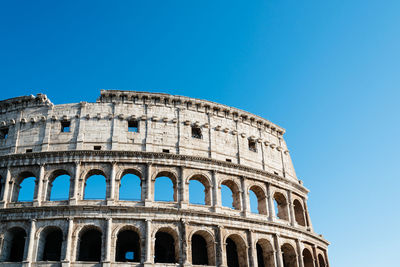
[150, 135]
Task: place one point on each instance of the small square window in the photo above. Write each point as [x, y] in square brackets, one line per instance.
[29, 150]
[252, 145]
[97, 147]
[196, 133]
[65, 126]
[133, 126]
[4, 133]
[165, 150]
[228, 160]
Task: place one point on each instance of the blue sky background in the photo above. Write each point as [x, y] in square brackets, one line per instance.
[327, 71]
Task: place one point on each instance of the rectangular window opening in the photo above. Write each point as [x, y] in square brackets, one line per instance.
[228, 160]
[165, 150]
[196, 132]
[97, 147]
[65, 126]
[29, 150]
[252, 146]
[4, 133]
[133, 126]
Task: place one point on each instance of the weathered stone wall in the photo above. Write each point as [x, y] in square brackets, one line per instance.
[163, 145]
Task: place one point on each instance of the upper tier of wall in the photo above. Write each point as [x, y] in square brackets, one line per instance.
[165, 124]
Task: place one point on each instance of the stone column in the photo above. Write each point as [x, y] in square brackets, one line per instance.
[75, 188]
[111, 187]
[148, 199]
[221, 255]
[216, 190]
[184, 189]
[149, 259]
[7, 189]
[307, 216]
[271, 211]
[253, 261]
[315, 254]
[299, 246]
[184, 246]
[278, 252]
[31, 240]
[107, 254]
[245, 197]
[67, 256]
[292, 218]
[39, 183]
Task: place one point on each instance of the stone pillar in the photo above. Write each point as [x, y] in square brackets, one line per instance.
[221, 255]
[307, 216]
[216, 190]
[39, 187]
[47, 132]
[148, 199]
[75, 188]
[271, 210]
[278, 252]
[31, 240]
[67, 256]
[245, 197]
[111, 187]
[300, 248]
[149, 260]
[315, 254]
[184, 245]
[107, 254]
[184, 189]
[7, 189]
[253, 261]
[292, 218]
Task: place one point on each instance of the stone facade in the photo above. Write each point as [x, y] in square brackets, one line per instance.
[151, 135]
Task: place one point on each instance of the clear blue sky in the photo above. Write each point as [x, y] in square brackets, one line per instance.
[327, 71]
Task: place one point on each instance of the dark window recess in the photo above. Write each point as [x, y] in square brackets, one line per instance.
[65, 126]
[28, 150]
[276, 173]
[4, 133]
[196, 133]
[228, 160]
[97, 147]
[165, 150]
[252, 146]
[133, 126]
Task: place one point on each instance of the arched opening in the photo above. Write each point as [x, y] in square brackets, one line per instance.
[165, 187]
[199, 250]
[265, 253]
[299, 213]
[321, 261]
[14, 244]
[128, 246]
[289, 256]
[130, 187]
[258, 202]
[230, 195]
[281, 208]
[53, 238]
[59, 186]
[165, 250]
[90, 245]
[199, 190]
[307, 258]
[24, 189]
[95, 185]
[236, 255]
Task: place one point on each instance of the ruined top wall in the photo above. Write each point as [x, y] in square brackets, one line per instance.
[165, 123]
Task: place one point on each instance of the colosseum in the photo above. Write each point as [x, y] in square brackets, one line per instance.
[149, 136]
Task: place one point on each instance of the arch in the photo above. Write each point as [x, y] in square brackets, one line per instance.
[130, 185]
[168, 182]
[234, 188]
[299, 213]
[289, 256]
[24, 187]
[195, 189]
[261, 199]
[51, 239]
[321, 261]
[236, 251]
[128, 246]
[265, 253]
[308, 260]
[202, 248]
[166, 247]
[281, 207]
[14, 244]
[90, 244]
[95, 185]
[58, 187]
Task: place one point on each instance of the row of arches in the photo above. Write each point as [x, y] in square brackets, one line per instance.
[128, 248]
[164, 187]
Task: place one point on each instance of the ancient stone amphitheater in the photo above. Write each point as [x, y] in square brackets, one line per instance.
[150, 135]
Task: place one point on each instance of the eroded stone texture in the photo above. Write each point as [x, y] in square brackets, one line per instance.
[150, 135]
